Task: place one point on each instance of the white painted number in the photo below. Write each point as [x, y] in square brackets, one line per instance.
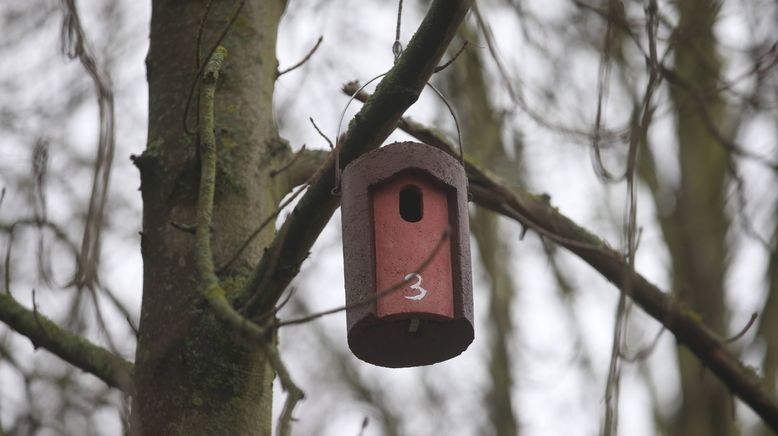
[416, 286]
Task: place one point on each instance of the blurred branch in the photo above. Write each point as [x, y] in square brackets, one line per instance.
[60, 235]
[536, 212]
[745, 329]
[567, 294]
[40, 223]
[72, 348]
[74, 45]
[489, 38]
[709, 123]
[343, 370]
[396, 93]
[453, 58]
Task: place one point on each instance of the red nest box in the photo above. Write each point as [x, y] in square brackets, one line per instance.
[404, 207]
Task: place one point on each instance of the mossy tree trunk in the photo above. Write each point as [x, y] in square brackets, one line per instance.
[192, 377]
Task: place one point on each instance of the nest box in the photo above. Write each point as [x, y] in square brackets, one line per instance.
[405, 221]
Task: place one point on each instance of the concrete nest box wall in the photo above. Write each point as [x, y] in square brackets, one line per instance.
[405, 220]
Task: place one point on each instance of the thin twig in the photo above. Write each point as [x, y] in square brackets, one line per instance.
[36, 315]
[364, 426]
[728, 144]
[262, 226]
[646, 351]
[371, 298]
[101, 324]
[710, 125]
[200, 32]
[7, 261]
[638, 134]
[745, 329]
[201, 69]
[489, 37]
[275, 172]
[321, 133]
[453, 58]
[303, 61]
[261, 319]
[603, 80]
[293, 393]
[75, 46]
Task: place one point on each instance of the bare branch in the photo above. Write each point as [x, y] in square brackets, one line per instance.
[303, 61]
[710, 125]
[453, 58]
[321, 133]
[201, 67]
[744, 330]
[274, 172]
[489, 38]
[74, 45]
[72, 348]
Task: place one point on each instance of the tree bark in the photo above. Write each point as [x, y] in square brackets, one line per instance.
[482, 137]
[192, 377]
[768, 328]
[696, 230]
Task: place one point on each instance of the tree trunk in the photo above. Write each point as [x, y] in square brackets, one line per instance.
[482, 130]
[768, 328]
[192, 377]
[696, 231]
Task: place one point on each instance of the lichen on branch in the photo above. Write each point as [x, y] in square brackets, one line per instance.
[70, 347]
[213, 292]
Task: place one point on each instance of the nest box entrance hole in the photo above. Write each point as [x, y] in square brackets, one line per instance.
[411, 204]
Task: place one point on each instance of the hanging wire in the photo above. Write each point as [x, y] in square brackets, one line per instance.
[397, 47]
[336, 189]
[397, 50]
[456, 123]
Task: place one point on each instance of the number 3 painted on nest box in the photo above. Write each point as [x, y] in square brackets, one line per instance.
[417, 286]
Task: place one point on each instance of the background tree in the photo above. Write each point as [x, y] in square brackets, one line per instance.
[676, 121]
